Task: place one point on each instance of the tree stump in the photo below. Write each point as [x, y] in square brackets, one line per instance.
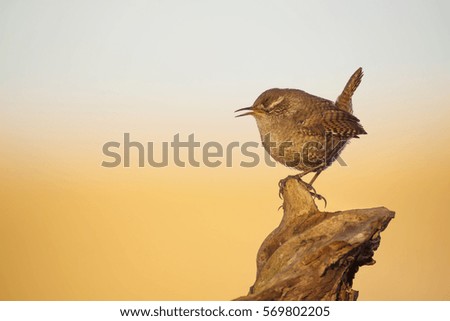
[315, 255]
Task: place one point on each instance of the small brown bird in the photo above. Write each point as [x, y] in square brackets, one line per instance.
[303, 131]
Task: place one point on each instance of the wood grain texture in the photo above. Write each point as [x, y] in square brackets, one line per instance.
[314, 255]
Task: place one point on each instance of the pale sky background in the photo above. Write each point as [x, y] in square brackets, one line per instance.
[76, 74]
[188, 64]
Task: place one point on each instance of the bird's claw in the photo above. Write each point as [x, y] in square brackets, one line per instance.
[314, 193]
[311, 189]
[319, 197]
[282, 184]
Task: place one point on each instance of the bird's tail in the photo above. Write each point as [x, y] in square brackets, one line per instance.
[344, 101]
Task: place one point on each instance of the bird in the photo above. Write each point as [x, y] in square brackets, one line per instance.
[303, 131]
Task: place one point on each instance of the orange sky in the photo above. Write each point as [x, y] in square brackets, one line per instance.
[193, 233]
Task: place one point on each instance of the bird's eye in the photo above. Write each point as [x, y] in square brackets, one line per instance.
[263, 107]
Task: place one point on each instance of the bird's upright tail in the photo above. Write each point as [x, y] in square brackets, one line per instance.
[344, 101]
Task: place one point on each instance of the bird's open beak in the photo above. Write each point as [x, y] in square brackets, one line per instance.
[245, 114]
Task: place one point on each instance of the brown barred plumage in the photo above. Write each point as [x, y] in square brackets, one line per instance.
[344, 101]
[309, 132]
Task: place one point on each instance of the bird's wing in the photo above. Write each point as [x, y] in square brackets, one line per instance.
[342, 123]
[344, 101]
[333, 121]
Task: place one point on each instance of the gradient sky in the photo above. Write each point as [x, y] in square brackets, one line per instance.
[76, 74]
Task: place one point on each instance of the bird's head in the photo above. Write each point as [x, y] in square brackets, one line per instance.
[266, 105]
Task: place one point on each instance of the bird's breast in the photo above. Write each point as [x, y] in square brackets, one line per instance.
[292, 147]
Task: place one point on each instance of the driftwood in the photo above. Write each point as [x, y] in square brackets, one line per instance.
[314, 255]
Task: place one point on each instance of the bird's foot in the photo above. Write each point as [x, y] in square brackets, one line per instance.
[311, 189]
[319, 197]
[282, 183]
[314, 193]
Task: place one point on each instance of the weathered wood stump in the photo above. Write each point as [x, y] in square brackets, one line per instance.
[314, 255]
